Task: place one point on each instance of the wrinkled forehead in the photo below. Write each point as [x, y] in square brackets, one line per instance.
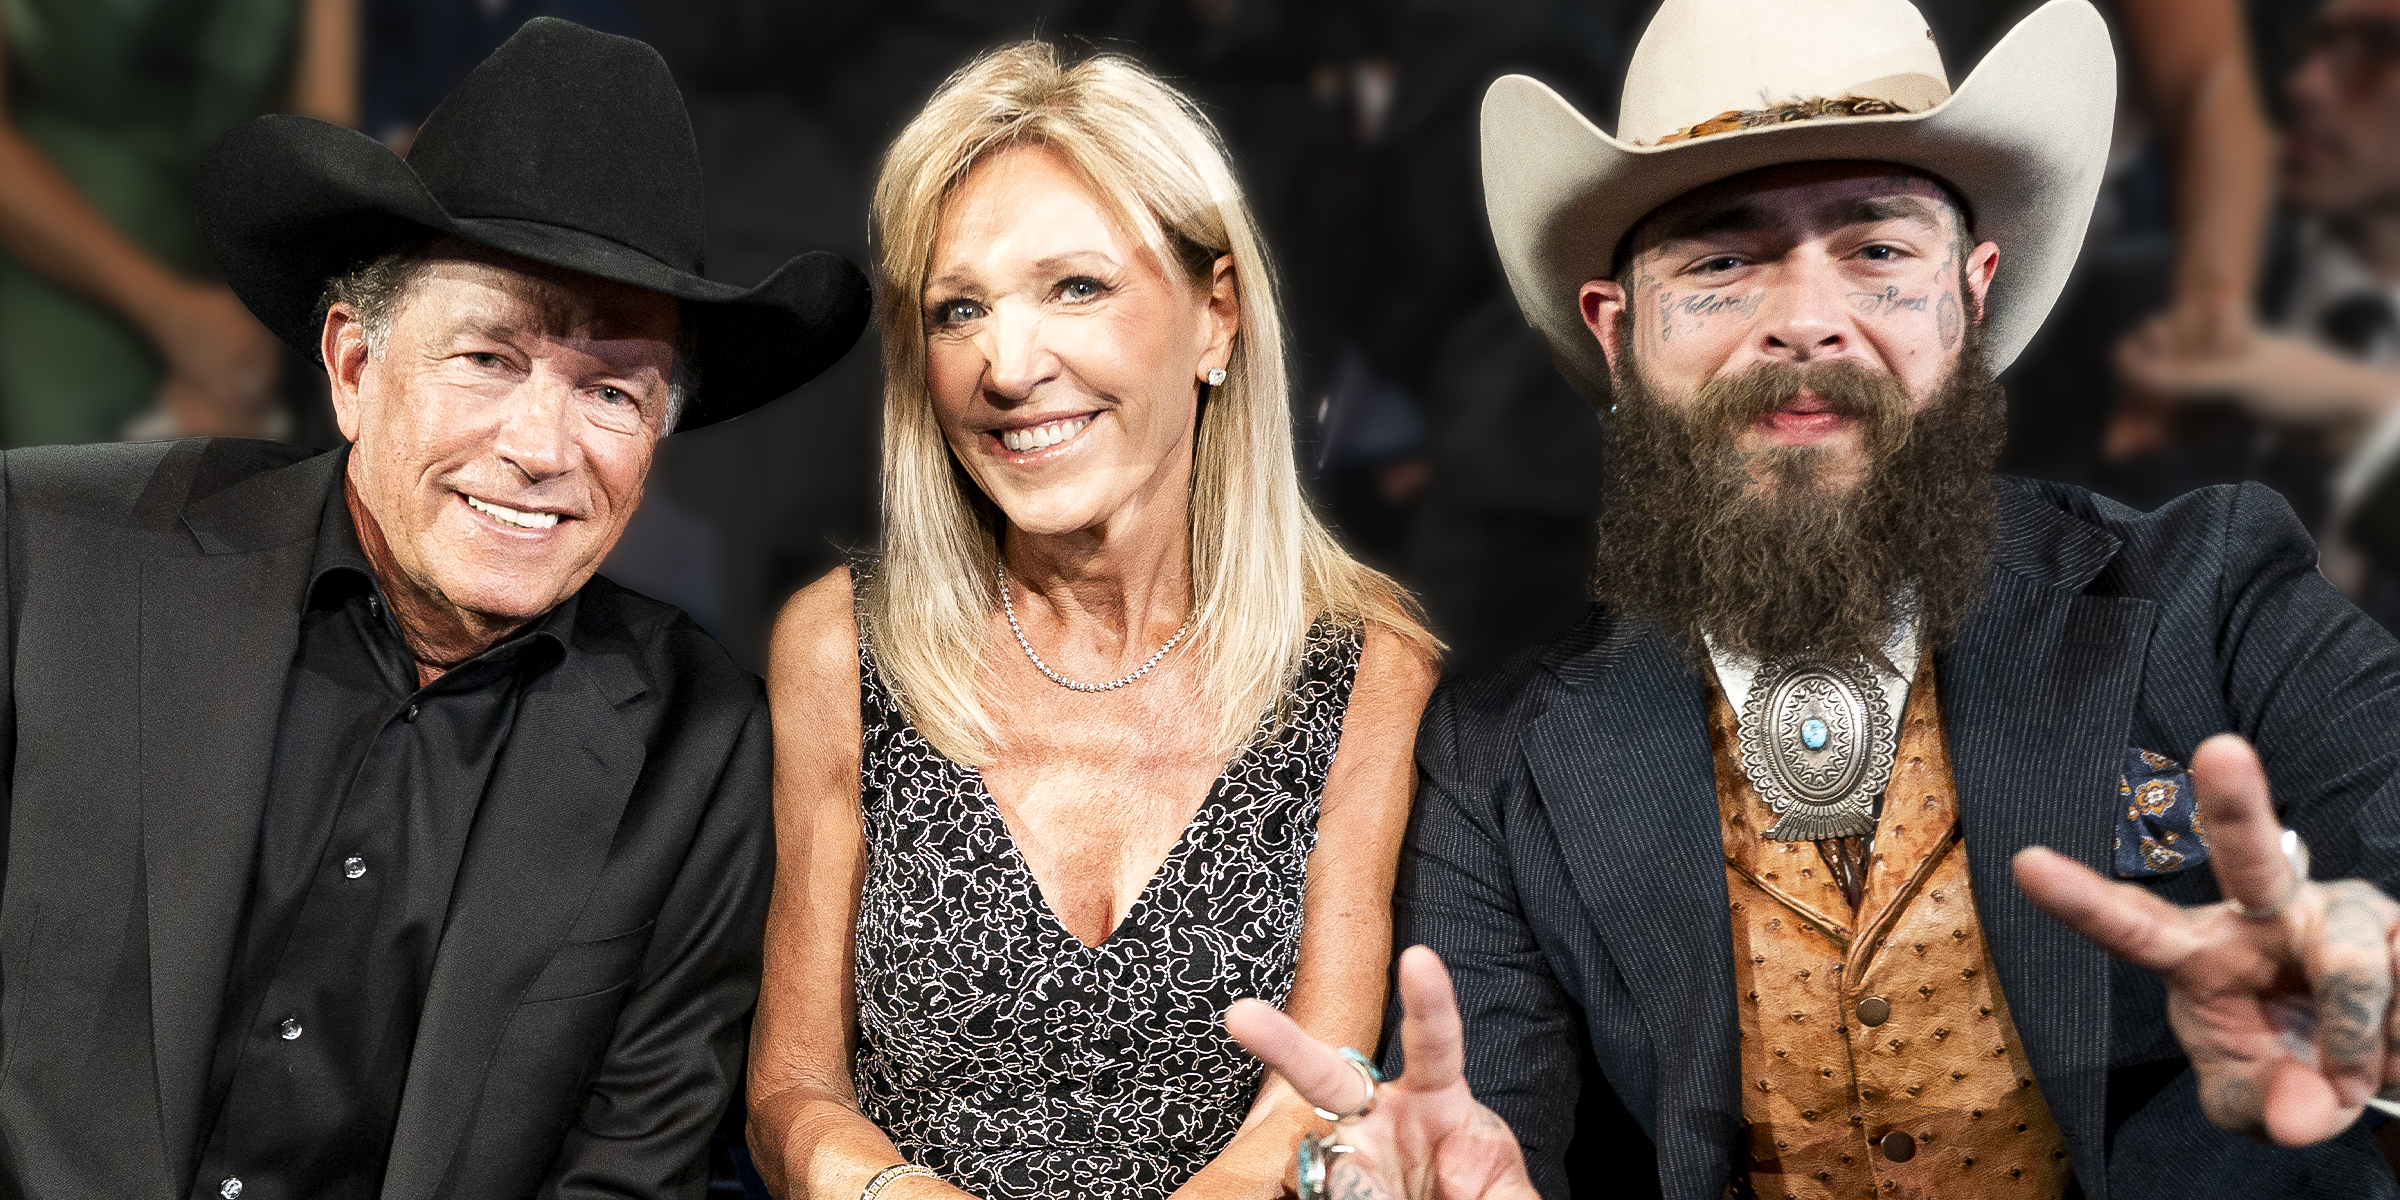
[1800, 200]
[464, 283]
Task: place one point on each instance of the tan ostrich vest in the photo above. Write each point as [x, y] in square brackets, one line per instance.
[1878, 1057]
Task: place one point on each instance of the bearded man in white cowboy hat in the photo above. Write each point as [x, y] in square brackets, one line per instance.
[1742, 882]
[359, 840]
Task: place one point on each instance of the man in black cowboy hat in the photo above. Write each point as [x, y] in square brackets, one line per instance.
[359, 840]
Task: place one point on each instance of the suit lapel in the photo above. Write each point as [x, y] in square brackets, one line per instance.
[1623, 766]
[217, 635]
[2037, 695]
[541, 836]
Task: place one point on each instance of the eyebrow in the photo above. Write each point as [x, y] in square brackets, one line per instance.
[1871, 210]
[952, 281]
[1737, 217]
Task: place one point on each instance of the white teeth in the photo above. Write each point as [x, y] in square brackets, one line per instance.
[510, 516]
[1041, 437]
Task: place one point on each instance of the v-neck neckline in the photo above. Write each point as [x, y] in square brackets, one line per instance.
[1182, 847]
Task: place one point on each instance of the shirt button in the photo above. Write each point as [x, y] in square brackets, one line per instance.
[353, 867]
[412, 713]
[230, 1188]
[1874, 1011]
[291, 1029]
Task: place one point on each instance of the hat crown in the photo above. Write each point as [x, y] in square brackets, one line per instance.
[569, 127]
[1703, 58]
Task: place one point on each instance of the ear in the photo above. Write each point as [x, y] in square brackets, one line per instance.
[1603, 302]
[1982, 264]
[1224, 317]
[343, 346]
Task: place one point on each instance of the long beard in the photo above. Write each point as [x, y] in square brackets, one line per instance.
[1758, 554]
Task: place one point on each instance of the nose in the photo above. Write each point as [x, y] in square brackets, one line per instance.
[1806, 313]
[533, 435]
[1017, 358]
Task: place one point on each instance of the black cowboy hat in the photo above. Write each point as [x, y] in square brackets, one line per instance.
[568, 147]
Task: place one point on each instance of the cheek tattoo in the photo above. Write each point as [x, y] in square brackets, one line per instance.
[1887, 302]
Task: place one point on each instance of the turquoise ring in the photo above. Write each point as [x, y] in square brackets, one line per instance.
[1374, 1079]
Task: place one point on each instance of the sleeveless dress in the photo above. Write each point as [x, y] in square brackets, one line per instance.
[1000, 1051]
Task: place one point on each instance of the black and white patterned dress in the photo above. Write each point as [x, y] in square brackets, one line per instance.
[996, 1048]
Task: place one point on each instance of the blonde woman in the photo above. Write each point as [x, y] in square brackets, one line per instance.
[1112, 734]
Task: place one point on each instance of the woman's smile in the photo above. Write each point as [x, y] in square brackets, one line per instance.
[1026, 441]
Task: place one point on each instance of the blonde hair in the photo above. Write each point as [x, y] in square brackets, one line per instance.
[1262, 568]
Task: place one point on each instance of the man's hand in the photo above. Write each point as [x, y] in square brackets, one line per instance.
[1427, 1138]
[2288, 1019]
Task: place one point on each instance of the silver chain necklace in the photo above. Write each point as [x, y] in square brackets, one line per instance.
[1010, 607]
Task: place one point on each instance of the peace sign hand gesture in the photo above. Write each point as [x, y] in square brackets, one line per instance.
[1419, 1137]
[2282, 995]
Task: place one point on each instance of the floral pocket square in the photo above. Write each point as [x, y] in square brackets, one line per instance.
[2159, 833]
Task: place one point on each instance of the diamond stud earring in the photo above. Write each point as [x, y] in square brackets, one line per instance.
[1216, 377]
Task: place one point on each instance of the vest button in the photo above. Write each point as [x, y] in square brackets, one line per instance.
[1899, 1147]
[1873, 1011]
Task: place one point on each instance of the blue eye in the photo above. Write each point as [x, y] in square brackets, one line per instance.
[956, 312]
[614, 395]
[1080, 288]
[486, 361]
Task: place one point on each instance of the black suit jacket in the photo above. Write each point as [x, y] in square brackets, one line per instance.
[584, 1025]
[1565, 857]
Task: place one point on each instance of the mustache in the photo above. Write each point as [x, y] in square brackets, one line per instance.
[1726, 405]
[1702, 540]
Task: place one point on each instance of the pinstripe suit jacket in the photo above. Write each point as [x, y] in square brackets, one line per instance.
[1565, 859]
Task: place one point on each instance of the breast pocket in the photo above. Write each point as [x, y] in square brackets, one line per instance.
[587, 968]
[2159, 831]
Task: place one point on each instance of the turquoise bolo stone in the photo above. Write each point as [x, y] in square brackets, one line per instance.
[1813, 733]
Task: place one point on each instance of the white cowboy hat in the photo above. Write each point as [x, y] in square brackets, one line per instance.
[2024, 142]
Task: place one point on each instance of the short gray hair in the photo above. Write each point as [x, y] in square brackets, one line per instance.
[377, 290]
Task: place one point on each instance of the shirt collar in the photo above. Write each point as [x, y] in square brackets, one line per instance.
[1735, 673]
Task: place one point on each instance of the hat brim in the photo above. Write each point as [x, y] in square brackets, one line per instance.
[288, 203]
[2024, 141]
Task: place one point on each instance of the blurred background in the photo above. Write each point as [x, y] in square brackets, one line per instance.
[2232, 317]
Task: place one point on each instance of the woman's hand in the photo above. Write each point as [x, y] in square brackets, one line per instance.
[1426, 1136]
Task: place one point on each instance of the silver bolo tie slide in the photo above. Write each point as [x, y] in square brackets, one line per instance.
[1817, 742]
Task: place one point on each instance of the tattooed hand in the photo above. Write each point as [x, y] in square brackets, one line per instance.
[2287, 1019]
[1427, 1138]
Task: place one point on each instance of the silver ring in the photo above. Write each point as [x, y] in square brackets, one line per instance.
[1313, 1163]
[2295, 854]
[1366, 1070]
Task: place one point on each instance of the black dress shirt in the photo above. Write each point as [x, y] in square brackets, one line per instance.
[373, 791]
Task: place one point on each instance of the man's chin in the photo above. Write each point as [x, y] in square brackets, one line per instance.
[499, 597]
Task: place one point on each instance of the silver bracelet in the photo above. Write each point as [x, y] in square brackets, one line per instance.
[889, 1176]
